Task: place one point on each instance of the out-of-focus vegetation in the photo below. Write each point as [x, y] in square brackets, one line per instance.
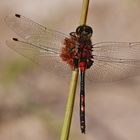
[12, 70]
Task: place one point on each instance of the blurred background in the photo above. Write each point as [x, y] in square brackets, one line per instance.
[32, 101]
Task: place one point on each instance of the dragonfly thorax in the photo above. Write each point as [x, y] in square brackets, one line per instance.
[78, 48]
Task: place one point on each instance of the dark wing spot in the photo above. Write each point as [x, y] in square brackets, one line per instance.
[17, 15]
[15, 39]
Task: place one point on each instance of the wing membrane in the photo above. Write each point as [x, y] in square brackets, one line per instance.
[41, 45]
[112, 60]
[115, 61]
[48, 58]
[35, 33]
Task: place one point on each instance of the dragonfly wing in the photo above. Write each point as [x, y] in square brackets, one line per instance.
[35, 33]
[48, 58]
[41, 45]
[115, 61]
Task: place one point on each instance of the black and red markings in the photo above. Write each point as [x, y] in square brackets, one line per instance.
[77, 53]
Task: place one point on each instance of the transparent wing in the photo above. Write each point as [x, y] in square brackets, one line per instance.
[41, 45]
[35, 33]
[115, 61]
[48, 58]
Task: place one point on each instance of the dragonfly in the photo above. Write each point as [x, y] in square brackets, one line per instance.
[99, 62]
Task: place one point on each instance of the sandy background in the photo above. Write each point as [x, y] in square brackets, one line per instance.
[32, 101]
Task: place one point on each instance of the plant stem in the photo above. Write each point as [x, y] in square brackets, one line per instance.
[69, 107]
[73, 84]
[84, 12]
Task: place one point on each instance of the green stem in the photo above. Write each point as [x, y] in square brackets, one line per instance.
[73, 84]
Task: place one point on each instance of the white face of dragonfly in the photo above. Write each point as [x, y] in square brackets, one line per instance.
[84, 32]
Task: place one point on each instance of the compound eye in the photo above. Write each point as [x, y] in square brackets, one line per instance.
[84, 30]
[88, 30]
[79, 30]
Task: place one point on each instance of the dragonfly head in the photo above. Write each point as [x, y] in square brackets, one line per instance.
[84, 31]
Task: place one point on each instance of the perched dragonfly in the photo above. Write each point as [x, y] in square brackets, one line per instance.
[105, 61]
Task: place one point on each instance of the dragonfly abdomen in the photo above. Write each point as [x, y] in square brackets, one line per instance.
[82, 98]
